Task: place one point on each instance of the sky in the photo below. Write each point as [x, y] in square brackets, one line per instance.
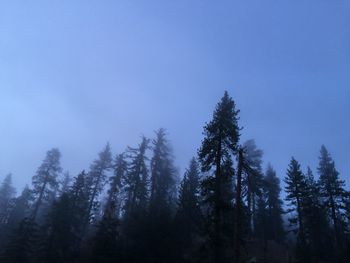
[76, 74]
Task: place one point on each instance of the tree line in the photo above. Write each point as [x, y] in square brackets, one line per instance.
[134, 207]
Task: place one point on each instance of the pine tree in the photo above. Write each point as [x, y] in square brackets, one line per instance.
[137, 180]
[252, 181]
[296, 190]
[7, 193]
[188, 219]
[23, 243]
[271, 186]
[163, 177]
[21, 207]
[333, 193]
[96, 180]
[45, 184]
[163, 191]
[219, 144]
[113, 203]
[317, 230]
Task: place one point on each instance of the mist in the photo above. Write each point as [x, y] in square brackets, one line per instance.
[78, 75]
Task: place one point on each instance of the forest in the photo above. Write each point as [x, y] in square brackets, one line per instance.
[135, 207]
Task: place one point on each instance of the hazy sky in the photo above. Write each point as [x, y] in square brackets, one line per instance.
[76, 74]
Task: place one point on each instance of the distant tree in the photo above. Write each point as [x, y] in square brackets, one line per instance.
[21, 207]
[65, 183]
[333, 193]
[63, 227]
[163, 177]
[188, 219]
[45, 181]
[317, 230]
[113, 203]
[252, 181]
[96, 181]
[7, 193]
[7, 205]
[23, 243]
[137, 180]
[106, 244]
[219, 144]
[274, 229]
[296, 191]
[163, 191]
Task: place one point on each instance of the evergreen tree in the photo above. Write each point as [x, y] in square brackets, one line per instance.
[23, 243]
[317, 230]
[7, 193]
[188, 219]
[63, 227]
[219, 144]
[162, 200]
[45, 183]
[137, 180]
[296, 191]
[333, 193]
[274, 229]
[163, 177]
[253, 181]
[113, 203]
[96, 180]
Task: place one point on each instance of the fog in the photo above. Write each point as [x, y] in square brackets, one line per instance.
[76, 74]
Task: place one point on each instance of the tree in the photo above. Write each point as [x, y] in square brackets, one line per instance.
[274, 229]
[137, 180]
[113, 203]
[253, 181]
[163, 177]
[333, 192]
[162, 200]
[219, 144]
[317, 230]
[296, 191]
[7, 204]
[96, 180]
[45, 184]
[188, 219]
[7, 193]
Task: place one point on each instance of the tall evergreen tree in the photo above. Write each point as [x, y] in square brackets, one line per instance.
[274, 229]
[163, 177]
[252, 181]
[333, 193]
[7, 193]
[137, 180]
[45, 181]
[219, 144]
[113, 203]
[162, 199]
[96, 180]
[188, 219]
[296, 192]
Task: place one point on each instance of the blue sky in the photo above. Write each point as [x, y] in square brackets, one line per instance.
[76, 74]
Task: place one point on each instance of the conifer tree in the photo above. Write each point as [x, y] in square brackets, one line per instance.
[271, 186]
[45, 181]
[113, 203]
[252, 181]
[137, 180]
[7, 193]
[163, 177]
[296, 191]
[219, 144]
[188, 218]
[332, 192]
[96, 181]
